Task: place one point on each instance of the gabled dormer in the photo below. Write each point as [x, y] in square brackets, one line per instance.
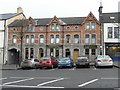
[54, 24]
[90, 17]
[90, 22]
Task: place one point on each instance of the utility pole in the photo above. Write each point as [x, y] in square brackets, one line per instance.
[101, 29]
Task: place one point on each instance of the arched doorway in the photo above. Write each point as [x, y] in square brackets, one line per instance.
[75, 54]
[13, 56]
[67, 53]
[41, 52]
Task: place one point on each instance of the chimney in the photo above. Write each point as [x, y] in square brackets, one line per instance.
[19, 10]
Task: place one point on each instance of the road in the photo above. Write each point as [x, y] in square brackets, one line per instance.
[61, 78]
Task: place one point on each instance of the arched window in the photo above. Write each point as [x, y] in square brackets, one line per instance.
[32, 38]
[14, 39]
[52, 39]
[76, 38]
[93, 39]
[67, 38]
[57, 39]
[27, 38]
[87, 38]
[41, 39]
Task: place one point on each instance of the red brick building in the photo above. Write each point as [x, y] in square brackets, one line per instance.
[69, 36]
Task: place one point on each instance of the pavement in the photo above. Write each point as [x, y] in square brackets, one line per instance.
[16, 67]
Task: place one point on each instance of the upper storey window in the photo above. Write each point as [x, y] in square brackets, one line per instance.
[31, 28]
[55, 27]
[90, 25]
[68, 28]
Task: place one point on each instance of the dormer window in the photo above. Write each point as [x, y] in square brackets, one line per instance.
[31, 27]
[68, 27]
[41, 28]
[76, 27]
[52, 27]
[90, 25]
[55, 27]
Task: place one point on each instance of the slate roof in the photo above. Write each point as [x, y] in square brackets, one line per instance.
[46, 21]
[111, 17]
[19, 23]
[7, 16]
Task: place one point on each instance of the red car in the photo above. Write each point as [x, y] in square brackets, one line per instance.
[48, 62]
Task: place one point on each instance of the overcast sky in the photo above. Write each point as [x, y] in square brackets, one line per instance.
[60, 8]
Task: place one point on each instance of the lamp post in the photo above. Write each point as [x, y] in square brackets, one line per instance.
[46, 42]
[101, 30]
[62, 39]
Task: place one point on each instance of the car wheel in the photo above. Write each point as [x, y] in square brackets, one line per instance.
[52, 67]
[77, 66]
[96, 66]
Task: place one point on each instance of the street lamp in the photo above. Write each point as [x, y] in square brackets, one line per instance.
[101, 30]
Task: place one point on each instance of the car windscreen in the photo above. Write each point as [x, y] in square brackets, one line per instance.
[44, 59]
[27, 59]
[64, 59]
[82, 58]
[103, 57]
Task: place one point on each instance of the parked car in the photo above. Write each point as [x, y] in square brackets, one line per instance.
[30, 63]
[48, 62]
[82, 61]
[65, 62]
[103, 60]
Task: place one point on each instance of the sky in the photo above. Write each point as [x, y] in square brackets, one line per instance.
[60, 8]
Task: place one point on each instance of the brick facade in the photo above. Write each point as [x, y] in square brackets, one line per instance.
[54, 41]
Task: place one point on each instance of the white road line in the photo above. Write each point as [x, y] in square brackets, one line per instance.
[30, 86]
[18, 81]
[110, 78]
[36, 77]
[2, 78]
[87, 83]
[50, 82]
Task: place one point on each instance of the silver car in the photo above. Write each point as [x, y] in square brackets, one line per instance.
[103, 60]
[30, 63]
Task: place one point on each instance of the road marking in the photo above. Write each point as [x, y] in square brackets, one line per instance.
[37, 77]
[50, 82]
[110, 78]
[2, 78]
[72, 69]
[84, 84]
[29, 86]
[18, 81]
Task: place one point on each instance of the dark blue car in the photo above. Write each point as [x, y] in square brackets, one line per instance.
[65, 62]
